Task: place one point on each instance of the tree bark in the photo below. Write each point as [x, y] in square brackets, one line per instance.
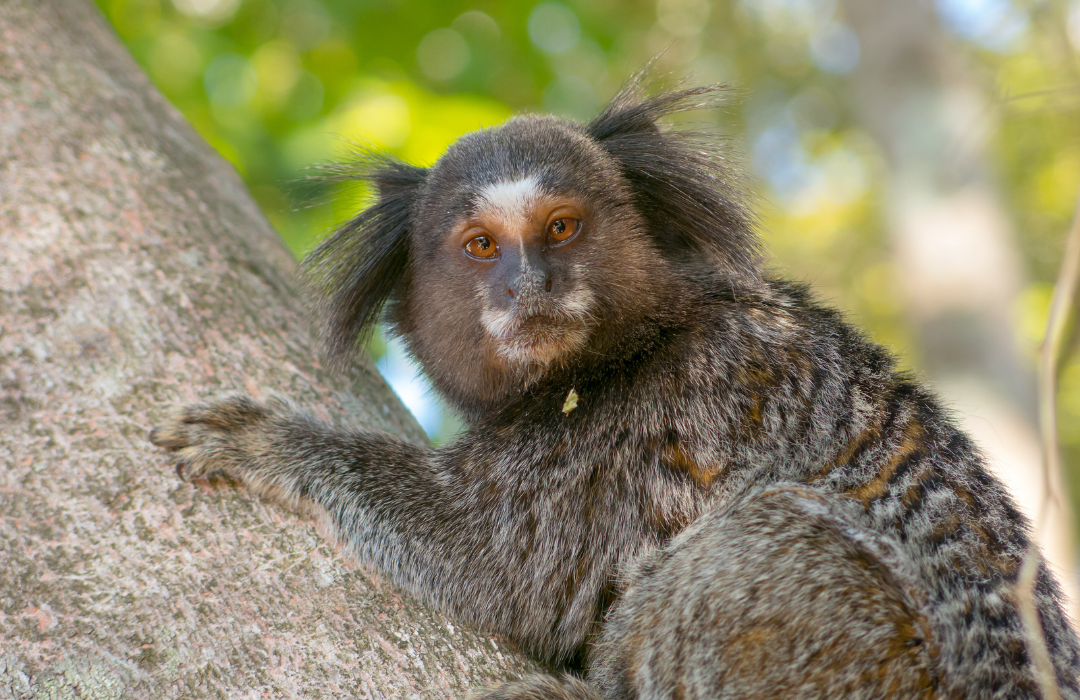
[137, 274]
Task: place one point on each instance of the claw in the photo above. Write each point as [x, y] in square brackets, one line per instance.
[181, 470]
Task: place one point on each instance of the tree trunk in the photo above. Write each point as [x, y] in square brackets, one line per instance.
[137, 274]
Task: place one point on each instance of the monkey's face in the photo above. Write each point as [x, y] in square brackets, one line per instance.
[527, 251]
[519, 246]
[537, 246]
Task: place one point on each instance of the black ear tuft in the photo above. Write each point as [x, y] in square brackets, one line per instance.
[683, 184]
[358, 268]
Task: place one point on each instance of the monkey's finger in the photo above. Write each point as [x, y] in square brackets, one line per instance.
[187, 472]
[227, 413]
[171, 436]
[198, 461]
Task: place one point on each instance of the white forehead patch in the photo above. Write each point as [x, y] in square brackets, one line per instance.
[511, 201]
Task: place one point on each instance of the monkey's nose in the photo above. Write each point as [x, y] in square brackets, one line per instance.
[523, 286]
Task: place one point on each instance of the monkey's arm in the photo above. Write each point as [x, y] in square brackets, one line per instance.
[461, 529]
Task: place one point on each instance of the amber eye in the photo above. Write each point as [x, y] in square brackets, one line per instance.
[481, 247]
[563, 229]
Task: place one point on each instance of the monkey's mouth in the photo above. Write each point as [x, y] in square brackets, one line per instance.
[537, 331]
[534, 339]
[541, 342]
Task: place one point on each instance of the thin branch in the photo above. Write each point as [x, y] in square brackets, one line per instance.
[1033, 629]
[1062, 309]
[1071, 90]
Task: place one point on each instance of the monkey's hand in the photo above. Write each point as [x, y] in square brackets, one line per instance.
[233, 435]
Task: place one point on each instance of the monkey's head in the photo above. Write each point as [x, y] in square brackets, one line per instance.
[534, 244]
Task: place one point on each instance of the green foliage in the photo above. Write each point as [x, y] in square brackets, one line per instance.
[279, 85]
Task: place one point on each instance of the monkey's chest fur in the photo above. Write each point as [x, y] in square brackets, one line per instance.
[726, 463]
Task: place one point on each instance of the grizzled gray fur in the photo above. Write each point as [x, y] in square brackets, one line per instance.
[748, 500]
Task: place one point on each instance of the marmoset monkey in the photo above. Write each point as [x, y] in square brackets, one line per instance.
[681, 477]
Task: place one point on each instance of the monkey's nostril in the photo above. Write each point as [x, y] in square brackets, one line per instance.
[510, 291]
[547, 287]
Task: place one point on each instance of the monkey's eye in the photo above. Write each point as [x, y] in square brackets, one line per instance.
[563, 229]
[482, 247]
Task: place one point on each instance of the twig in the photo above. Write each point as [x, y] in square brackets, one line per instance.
[1061, 312]
[1033, 629]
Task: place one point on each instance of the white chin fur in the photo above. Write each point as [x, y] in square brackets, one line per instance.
[518, 344]
[541, 351]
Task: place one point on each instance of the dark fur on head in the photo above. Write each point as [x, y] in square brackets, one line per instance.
[673, 191]
[359, 267]
[682, 181]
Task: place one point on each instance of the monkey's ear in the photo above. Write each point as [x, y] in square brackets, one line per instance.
[683, 184]
[357, 269]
